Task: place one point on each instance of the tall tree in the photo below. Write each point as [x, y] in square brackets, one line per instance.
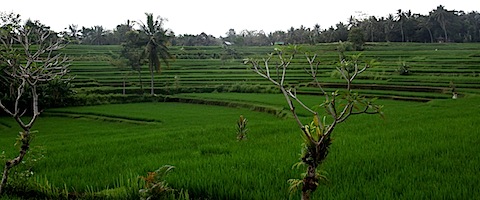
[357, 38]
[96, 35]
[99, 35]
[156, 48]
[341, 32]
[400, 20]
[409, 25]
[370, 27]
[277, 37]
[27, 69]
[72, 34]
[120, 32]
[231, 36]
[472, 26]
[36, 28]
[424, 22]
[442, 17]
[133, 54]
[317, 31]
[389, 26]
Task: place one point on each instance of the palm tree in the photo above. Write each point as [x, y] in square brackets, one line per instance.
[74, 33]
[389, 25]
[156, 48]
[401, 17]
[425, 22]
[121, 31]
[98, 35]
[441, 15]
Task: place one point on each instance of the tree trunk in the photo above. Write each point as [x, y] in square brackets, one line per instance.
[140, 81]
[445, 32]
[310, 182]
[14, 162]
[5, 176]
[152, 90]
[431, 36]
[403, 34]
[306, 195]
[124, 85]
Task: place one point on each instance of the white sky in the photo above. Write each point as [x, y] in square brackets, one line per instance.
[216, 17]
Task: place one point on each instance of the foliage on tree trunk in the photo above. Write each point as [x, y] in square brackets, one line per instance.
[242, 128]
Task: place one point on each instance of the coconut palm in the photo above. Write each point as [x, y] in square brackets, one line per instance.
[442, 17]
[99, 35]
[156, 48]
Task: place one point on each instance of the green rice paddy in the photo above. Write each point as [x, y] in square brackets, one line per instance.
[422, 149]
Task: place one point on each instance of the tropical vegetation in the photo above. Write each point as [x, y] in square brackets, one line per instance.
[439, 25]
[100, 137]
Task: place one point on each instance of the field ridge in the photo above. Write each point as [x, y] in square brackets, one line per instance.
[101, 117]
[276, 111]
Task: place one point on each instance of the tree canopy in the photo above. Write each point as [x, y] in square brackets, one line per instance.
[439, 25]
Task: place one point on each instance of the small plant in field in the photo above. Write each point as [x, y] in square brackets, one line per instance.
[155, 185]
[242, 128]
[344, 46]
[403, 69]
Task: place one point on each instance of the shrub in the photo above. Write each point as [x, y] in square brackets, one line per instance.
[403, 69]
[344, 46]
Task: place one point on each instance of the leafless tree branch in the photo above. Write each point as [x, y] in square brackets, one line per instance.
[41, 66]
[317, 146]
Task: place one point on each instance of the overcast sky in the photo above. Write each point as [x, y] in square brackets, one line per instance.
[216, 17]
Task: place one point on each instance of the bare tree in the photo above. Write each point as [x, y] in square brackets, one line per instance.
[30, 59]
[338, 107]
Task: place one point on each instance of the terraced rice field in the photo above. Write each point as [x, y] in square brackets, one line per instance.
[433, 68]
[419, 151]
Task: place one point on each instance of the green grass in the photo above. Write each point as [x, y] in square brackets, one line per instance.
[96, 153]
[420, 151]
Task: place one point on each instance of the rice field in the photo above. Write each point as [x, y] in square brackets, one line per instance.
[433, 69]
[425, 148]
[420, 151]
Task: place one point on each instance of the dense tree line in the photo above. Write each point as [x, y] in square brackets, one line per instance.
[440, 25]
